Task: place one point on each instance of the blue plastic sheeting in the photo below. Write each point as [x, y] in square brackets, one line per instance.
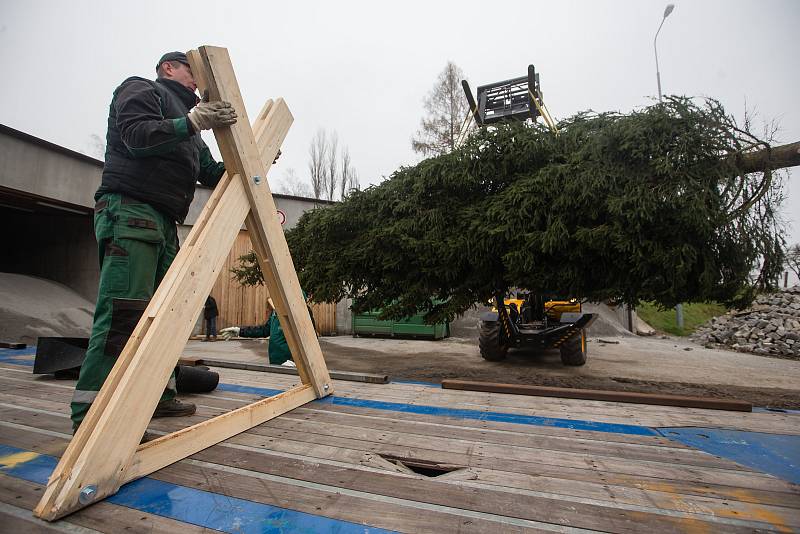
[501, 417]
[264, 392]
[198, 507]
[776, 454]
[576, 424]
[18, 356]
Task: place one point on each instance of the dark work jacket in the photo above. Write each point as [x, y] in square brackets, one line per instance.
[152, 152]
[210, 309]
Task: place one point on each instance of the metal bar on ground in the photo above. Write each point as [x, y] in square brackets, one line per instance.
[264, 368]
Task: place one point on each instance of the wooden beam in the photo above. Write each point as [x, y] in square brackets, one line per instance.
[169, 449]
[104, 445]
[600, 395]
[99, 457]
[238, 147]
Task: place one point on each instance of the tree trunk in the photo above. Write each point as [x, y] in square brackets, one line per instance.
[777, 157]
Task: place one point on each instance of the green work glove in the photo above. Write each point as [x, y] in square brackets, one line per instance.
[231, 331]
[207, 115]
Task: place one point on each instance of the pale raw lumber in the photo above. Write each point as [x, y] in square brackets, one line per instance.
[100, 455]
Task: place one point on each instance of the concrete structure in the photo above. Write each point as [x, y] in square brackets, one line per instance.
[47, 205]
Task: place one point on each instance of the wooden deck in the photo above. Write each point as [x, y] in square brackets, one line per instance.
[511, 464]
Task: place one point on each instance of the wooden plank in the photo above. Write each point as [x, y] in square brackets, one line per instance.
[21, 521]
[643, 482]
[238, 147]
[366, 509]
[525, 462]
[362, 508]
[324, 317]
[638, 490]
[105, 442]
[104, 445]
[702, 488]
[530, 507]
[183, 443]
[600, 395]
[102, 517]
[495, 444]
[742, 512]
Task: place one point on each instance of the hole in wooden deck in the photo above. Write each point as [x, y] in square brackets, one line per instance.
[422, 467]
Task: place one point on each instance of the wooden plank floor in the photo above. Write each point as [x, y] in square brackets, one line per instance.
[327, 460]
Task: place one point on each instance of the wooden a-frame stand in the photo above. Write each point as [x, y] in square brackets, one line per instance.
[105, 452]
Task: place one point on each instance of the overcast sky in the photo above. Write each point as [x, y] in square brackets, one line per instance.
[364, 68]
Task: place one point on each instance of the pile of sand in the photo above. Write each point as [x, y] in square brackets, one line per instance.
[33, 307]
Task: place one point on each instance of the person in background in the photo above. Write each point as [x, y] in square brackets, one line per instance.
[279, 353]
[210, 313]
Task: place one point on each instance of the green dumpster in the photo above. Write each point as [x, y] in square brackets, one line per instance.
[368, 324]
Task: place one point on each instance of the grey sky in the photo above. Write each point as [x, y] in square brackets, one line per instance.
[363, 68]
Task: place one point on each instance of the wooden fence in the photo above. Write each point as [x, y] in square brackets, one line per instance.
[246, 306]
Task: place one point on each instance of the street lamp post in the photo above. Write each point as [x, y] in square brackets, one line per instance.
[667, 11]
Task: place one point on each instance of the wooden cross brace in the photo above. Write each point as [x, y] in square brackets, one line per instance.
[105, 452]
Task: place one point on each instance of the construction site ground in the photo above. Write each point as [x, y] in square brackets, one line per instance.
[412, 457]
[656, 364]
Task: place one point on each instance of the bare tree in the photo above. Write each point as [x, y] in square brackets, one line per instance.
[346, 172]
[445, 108]
[292, 184]
[332, 173]
[353, 181]
[97, 146]
[793, 259]
[317, 152]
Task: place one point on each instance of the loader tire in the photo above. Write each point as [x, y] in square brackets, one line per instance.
[489, 342]
[573, 352]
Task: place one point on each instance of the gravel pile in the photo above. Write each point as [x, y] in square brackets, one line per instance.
[32, 307]
[770, 327]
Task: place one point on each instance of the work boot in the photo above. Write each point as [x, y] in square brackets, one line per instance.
[174, 408]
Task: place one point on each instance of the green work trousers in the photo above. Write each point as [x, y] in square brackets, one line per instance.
[136, 245]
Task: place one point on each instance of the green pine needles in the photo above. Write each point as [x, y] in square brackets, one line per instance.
[642, 206]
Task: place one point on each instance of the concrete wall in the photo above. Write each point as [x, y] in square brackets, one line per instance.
[46, 200]
[55, 246]
[46, 170]
[46, 212]
[292, 207]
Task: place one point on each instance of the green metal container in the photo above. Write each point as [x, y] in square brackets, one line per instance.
[367, 324]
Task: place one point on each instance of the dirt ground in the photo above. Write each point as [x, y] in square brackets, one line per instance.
[655, 364]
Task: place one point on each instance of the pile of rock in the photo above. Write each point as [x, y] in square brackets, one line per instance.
[770, 327]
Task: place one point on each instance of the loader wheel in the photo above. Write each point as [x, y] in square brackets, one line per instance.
[489, 342]
[573, 352]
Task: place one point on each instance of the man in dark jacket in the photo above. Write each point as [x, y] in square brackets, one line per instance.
[210, 313]
[154, 157]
